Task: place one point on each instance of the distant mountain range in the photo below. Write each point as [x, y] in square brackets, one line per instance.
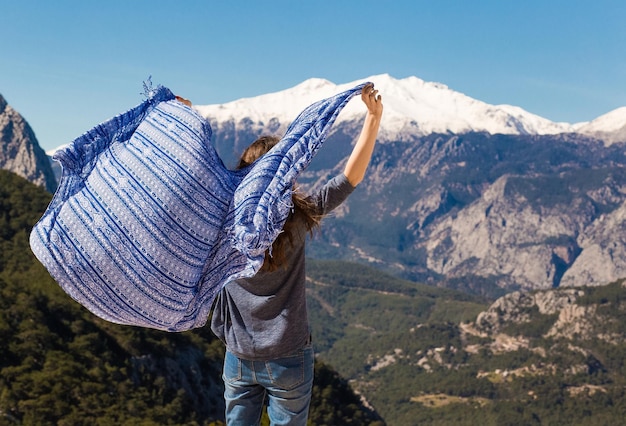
[485, 198]
[460, 192]
[413, 108]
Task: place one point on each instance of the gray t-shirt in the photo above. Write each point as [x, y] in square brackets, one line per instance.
[265, 316]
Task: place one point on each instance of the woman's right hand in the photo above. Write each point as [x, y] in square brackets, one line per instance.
[372, 100]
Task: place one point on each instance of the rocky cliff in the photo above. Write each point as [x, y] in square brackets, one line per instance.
[577, 315]
[20, 152]
[487, 211]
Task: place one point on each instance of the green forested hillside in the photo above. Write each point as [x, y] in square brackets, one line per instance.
[420, 357]
[351, 304]
[60, 365]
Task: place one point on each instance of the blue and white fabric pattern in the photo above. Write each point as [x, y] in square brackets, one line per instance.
[148, 225]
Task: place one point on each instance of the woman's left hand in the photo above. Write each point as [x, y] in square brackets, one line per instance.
[183, 100]
[372, 100]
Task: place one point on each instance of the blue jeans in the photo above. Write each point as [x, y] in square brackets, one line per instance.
[286, 381]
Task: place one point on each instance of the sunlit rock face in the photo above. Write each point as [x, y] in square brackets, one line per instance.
[20, 152]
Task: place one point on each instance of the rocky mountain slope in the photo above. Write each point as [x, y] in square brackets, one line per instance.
[19, 150]
[483, 197]
[483, 212]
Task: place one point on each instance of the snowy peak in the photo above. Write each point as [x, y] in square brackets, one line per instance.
[611, 121]
[413, 107]
[284, 105]
[435, 108]
[610, 127]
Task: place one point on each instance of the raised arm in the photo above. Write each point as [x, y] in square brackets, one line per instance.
[362, 151]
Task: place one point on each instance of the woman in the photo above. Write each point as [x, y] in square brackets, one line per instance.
[263, 320]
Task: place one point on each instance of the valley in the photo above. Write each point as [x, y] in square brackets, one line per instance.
[420, 355]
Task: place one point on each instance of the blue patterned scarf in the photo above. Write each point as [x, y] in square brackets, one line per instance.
[148, 225]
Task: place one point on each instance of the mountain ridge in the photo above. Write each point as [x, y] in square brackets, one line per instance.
[412, 105]
[413, 108]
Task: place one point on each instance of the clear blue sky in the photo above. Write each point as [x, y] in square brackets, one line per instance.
[68, 65]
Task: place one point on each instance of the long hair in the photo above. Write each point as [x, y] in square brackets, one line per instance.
[302, 208]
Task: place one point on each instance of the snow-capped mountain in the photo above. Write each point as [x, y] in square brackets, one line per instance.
[610, 127]
[412, 107]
